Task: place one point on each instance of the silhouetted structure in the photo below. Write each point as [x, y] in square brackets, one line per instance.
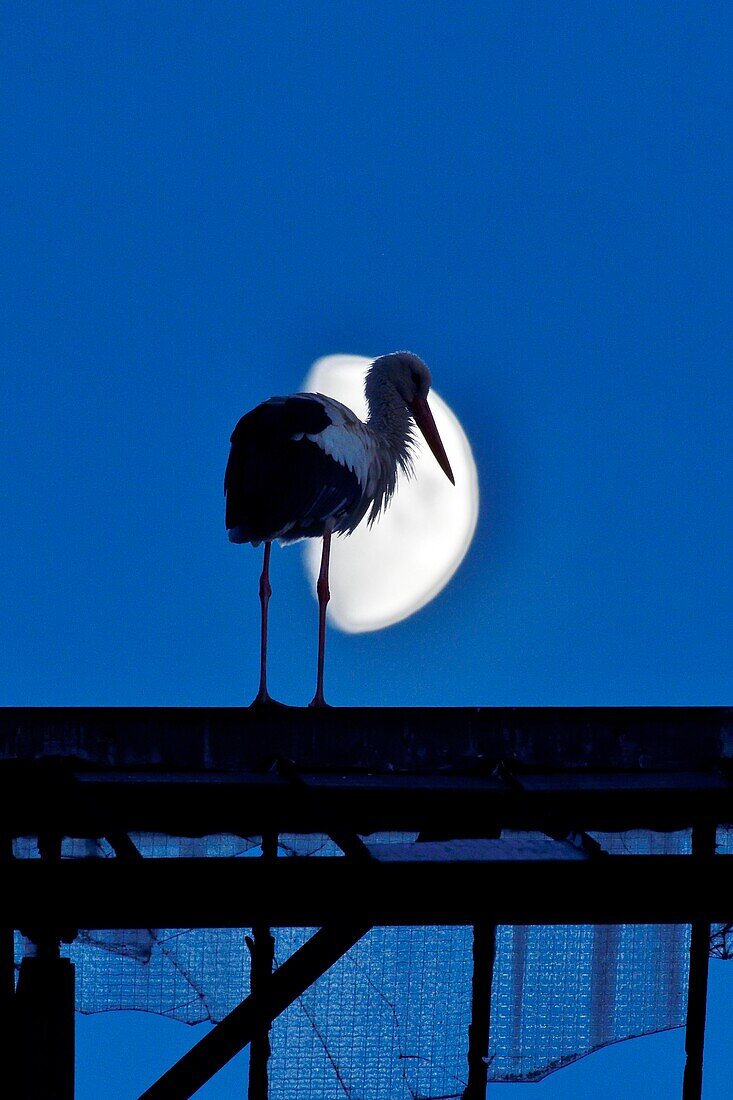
[458, 778]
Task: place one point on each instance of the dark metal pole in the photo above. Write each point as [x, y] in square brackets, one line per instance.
[45, 1005]
[703, 845]
[7, 984]
[45, 1019]
[262, 950]
[484, 953]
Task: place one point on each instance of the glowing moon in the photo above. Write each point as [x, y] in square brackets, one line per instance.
[382, 574]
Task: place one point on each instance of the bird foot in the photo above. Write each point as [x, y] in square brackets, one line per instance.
[265, 702]
[319, 703]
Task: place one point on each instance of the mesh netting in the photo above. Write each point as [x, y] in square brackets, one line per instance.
[390, 1020]
[191, 975]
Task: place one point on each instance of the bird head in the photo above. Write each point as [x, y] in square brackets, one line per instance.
[411, 379]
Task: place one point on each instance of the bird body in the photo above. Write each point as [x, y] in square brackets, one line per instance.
[298, 461]
[306, 466]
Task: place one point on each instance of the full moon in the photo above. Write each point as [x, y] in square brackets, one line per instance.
[381, 575]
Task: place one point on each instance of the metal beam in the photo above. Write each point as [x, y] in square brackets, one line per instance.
[212, 893]
[236, 1030]
[44, 1015]
[703, 846]
[261, 946]
[415, 739]
[484, 953]
[8, 1042]
[114, 803]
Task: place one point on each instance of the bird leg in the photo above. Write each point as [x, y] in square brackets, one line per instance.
[324, 595]
[265, 593]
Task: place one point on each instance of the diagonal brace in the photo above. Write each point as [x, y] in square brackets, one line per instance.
[223, 1042]
[345, 838]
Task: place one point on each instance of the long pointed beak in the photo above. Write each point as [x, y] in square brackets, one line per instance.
[424, 420]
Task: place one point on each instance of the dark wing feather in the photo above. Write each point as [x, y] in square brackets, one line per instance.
[278, 483]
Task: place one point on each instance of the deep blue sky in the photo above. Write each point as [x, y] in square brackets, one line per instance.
[198, 199]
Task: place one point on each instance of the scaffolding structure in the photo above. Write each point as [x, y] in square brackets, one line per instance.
[502, 802]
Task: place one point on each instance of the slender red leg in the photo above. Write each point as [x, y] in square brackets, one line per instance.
[324, 595]
[265, 593]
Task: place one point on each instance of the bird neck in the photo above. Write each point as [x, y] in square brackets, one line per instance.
[389, 418]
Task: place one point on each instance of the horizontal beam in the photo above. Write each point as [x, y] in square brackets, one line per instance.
[418, 739]
[92, 803]
[200, 893]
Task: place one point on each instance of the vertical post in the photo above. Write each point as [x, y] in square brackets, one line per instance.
[7, 990]
[45, 1021]
[262, 950]
[7, 984]
[44, 1010]
[484, 953]
[703, 845]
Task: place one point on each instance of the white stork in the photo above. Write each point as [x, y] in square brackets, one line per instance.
[305, 466]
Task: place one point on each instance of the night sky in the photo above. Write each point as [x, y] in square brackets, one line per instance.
[199, 199]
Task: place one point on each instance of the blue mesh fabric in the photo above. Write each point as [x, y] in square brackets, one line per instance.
[390, 1020]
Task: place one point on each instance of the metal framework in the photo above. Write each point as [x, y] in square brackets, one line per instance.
[455, 776]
